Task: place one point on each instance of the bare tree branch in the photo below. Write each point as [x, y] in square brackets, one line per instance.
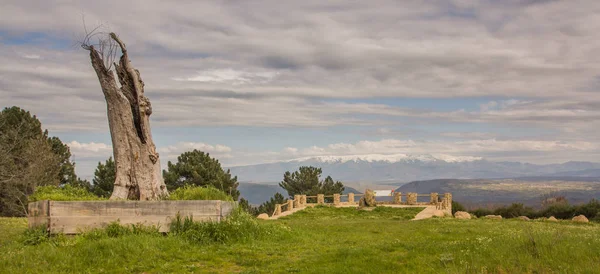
[105, 46]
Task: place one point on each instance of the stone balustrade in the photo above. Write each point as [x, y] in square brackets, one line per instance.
[300, 201]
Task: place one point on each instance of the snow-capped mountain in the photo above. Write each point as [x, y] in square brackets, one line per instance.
[402, 168]
[391, 158]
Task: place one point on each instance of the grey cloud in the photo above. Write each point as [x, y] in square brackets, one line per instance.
[543, 50]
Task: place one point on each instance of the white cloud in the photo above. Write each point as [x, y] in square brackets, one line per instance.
[87, 155]
[31, 56]
[89, 147]
[290, 150]
[187, 146]
[469, 135]
[231, 76]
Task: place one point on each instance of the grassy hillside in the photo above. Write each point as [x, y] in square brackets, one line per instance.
[326, 240]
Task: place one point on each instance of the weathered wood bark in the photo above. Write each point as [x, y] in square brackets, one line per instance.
[138, 175]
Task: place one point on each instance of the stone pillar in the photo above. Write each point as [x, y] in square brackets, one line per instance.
[448, 197]
[411, 198]
[303, 200]
[397, 197]
[290, 204]
[277, 210]
[350, 198]
[320, 199]
[296, 201]
[336, 199]
[433, 198]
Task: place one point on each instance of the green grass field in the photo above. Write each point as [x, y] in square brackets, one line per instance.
[325, 240]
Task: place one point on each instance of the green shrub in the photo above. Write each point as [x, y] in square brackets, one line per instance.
[565, 211]
[239, 226]
[560, 211]
[515, 210]
[456, 206]
[35, 235]
[481, 212]
[199, 193]
[64, 193]
[116, 229]
[591, 210]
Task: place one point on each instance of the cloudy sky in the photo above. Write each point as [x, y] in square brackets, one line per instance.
[261, 81]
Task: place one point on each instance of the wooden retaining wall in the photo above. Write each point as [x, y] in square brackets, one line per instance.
[73, 216]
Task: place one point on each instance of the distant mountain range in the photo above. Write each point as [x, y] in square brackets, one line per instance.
[403, 168]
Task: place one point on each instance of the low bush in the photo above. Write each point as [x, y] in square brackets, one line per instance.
[480, 212]
[116, 229]
[456, 206]
[590, 210]
[515, 210]
[35, 235]
[561, 210]
[64, 193]
[199, 193]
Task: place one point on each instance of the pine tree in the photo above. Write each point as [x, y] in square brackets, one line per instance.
[199, 169]
[269, 206]
[104, 178]
[26, 160]
[67, 168]
[306, 181]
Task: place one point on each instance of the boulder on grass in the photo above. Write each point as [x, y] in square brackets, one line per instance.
[263, 216]
[439, 213]
[368, 199]
[580, 219]
[524, 218]
[552, 219]
[498, 217]
[462, 215]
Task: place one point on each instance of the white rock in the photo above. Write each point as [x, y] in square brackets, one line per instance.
[462, 215]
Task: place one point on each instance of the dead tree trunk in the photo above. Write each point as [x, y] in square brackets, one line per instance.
[138, 175]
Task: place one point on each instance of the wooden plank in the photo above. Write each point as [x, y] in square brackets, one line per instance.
[133, 208]
[37, 213]
[183, 207]
[227, 208]
[39, 208]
